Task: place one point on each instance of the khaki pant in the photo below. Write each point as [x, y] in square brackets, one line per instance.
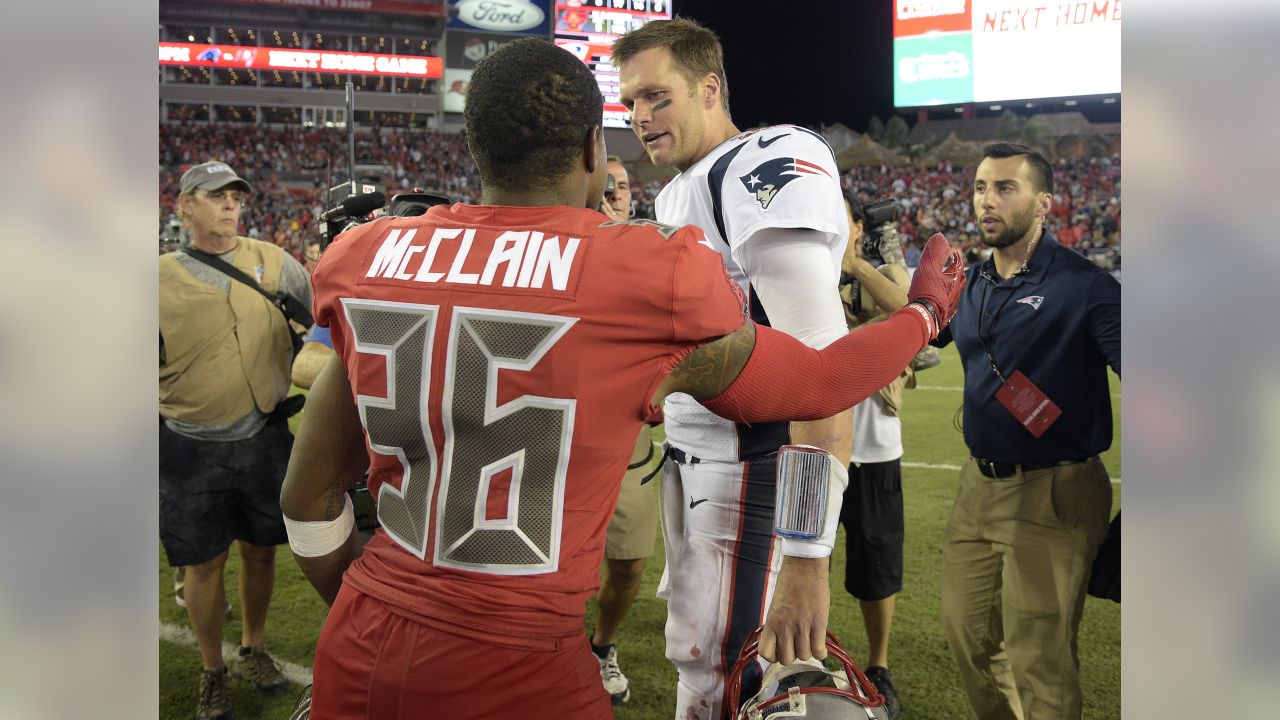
[1015, 563]
[633, 529]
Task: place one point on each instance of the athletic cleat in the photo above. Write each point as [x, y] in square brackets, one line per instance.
[615, 683]
[259, 668]
[883, 680]
[215, 696]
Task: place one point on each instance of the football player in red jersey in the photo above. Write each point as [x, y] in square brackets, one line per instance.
[492, 367]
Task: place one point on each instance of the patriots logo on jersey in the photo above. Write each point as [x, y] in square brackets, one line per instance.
[771, 176]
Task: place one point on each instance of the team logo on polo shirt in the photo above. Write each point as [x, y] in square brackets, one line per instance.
[1032, 300]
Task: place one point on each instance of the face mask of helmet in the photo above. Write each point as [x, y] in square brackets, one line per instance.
[806, 689]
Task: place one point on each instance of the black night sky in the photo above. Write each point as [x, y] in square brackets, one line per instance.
[810, 62]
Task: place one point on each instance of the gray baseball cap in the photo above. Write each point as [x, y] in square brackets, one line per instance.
[212, 175]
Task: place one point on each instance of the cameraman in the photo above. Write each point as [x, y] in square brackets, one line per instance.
[617, 192]
[873, 283]
[634, 527]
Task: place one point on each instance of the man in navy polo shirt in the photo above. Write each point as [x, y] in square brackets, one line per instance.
[1037, 327]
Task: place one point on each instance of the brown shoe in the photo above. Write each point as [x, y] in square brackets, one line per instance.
[215, 696]
[259, 668]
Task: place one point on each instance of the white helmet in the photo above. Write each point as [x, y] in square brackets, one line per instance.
[806, 689]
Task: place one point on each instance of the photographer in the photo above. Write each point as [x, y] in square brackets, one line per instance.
[873, 283]
[617, 192]
[634, 525]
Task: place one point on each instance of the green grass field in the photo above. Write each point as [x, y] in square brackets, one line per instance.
[927, 684]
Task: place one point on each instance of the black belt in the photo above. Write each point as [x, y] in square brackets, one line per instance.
[997, 470]
[641, 463]
[685, 458]
[681, 456]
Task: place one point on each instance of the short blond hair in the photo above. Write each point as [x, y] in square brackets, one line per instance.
[695, 49]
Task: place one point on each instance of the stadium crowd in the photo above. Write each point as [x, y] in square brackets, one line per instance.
[288, 168]
[1085, 215]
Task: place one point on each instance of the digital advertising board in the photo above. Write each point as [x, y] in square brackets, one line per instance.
[588, 29]
[949, 52]
[253, 57]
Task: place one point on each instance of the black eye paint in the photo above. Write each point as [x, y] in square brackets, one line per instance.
[661, 106]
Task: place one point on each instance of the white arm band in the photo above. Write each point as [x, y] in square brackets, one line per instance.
[316, 538]
[811, 483]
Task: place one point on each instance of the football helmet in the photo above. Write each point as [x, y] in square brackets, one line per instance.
[805, 689]
[302, 711]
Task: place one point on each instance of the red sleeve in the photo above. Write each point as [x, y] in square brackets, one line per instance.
[785, 380]
[705, 302]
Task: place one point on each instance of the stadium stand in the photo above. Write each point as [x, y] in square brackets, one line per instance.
[291, 166]
[1086, 205]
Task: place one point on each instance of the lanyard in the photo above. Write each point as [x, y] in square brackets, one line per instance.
[985, 338]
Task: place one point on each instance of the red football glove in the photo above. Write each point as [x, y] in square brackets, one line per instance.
[937, 284]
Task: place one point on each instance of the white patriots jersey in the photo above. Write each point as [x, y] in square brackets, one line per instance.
[782, 176]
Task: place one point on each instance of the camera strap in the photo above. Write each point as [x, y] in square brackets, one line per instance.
[299, 314]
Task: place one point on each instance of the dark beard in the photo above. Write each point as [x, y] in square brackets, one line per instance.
[1015, 228]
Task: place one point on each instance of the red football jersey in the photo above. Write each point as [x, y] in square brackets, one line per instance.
[503, 360]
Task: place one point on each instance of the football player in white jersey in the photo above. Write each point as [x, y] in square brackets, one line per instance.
[769, 201]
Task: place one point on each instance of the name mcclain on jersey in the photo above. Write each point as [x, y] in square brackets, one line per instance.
[517, 258]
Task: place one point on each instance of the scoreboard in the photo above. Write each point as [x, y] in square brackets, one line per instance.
[588, 28]
[967, 51]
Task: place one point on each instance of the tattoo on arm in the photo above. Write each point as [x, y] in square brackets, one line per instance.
[333, 501]
[709, 370]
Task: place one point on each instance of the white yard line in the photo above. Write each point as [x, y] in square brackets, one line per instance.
[182, 636]
[931, 466]
[956, 468]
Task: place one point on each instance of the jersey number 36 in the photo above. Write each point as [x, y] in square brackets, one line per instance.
[529, 436]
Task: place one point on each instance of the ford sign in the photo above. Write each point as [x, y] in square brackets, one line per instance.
[500, 15]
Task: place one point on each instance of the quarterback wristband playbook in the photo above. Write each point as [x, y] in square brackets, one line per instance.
[811, 483]
[316, 538]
